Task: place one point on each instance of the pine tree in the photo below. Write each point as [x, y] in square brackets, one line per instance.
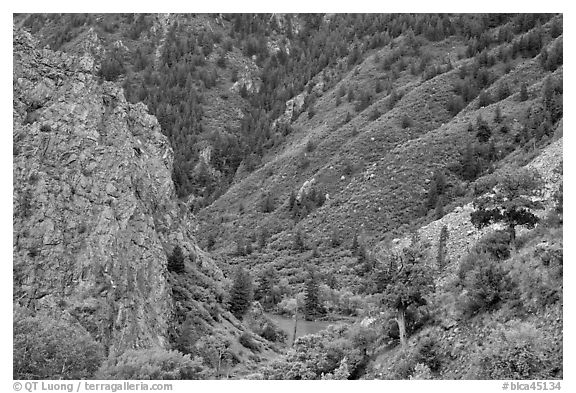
[497, 114]
[524, 92]
[335, 239]
[348, 118]
[432, 198]
[312, 306]
[241, 293]
[262, 238]
[484, 99]
[483, 132]
[405, 282]
[350, 95]
[210, 242]
[240, 247]
[378, 87]
[439, 210]
[441, 257]
[176, 261]
[355, 244]
[267, 203]
[511, 201]
[469, 164]
[291, 200]
[266, 281]
[299, 241]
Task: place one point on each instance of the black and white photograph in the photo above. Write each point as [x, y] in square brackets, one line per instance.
[287, 196]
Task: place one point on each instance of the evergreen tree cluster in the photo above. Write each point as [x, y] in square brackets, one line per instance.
[174, 89]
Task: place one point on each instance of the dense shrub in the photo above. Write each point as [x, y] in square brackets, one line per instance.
[46, 348]
[112, 66]
[516, 351]
[539, 273]
[455, 104]
[426, 357]
[496, 244]
[319, 354]
[406, 121]
[247, 341]
[268, 205]
[486, 284]
[272, 333]
[148, 364]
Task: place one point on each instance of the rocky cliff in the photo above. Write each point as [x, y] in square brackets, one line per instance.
[95, 212]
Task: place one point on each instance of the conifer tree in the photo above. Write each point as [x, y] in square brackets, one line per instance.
[483, 132]
[312, 306]
[176, 261]
[266, 281]
[469, 163]
[267, 203]
[441, 257]
[439, 210]
[432, 197]
[262, 238]
[523, 92]
[510, 198]
[335, 238]
[404, 283]
[355, 244]
[497, 114]
[291, 200]
[299, 241]
[241, 293]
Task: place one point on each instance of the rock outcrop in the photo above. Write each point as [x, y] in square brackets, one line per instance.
[95, 211]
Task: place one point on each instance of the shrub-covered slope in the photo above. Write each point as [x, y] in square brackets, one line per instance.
[375, 171]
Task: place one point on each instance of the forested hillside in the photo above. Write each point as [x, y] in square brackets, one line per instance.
[397, 174]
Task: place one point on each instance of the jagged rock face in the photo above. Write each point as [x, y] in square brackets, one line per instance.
[95, 211]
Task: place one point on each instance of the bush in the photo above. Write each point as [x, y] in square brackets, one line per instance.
[455, 105]
[46, 348]
[486, 284]
[247, 341]
[310, 146]
[316, 355]
[496, 244]
[273, 333]
[484, 99]
[311, 112]
[515, 352]
[406, 121]
[267, 203]
[303, 162]
[154, 363]
[539, 273]
[348, 167]
[112, 66]
[418, 362]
